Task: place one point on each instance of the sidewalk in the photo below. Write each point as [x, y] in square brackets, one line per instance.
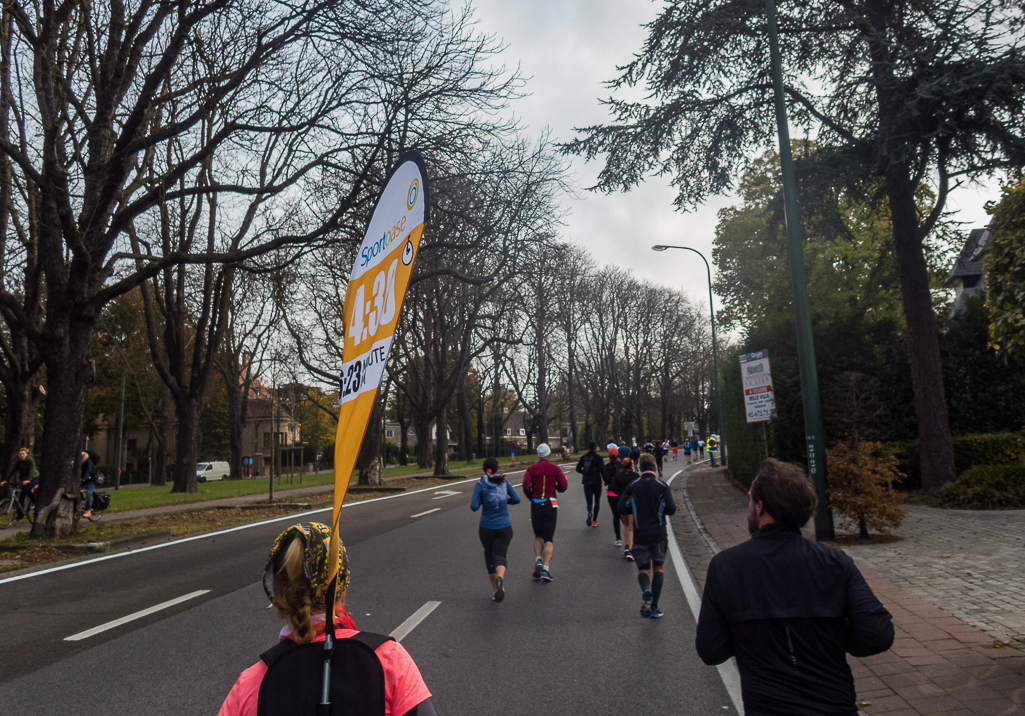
[955, 585]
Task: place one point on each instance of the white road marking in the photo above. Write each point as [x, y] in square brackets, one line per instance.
[727, 670]
[421, 514]
[403, 629]
[446, 493]
[132, 617]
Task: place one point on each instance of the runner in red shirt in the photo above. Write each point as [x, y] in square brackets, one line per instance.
[540, 483]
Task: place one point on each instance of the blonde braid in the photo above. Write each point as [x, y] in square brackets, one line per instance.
[292, 593]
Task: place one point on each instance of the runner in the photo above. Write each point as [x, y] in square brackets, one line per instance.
[701, 448]
[686, 451]
[494, 493]
[609, 474]
[658, 452]
[512, 450]
[675, 446]
[591, 469]
[295, 579]
[649, 501]
[540, 483]
[624, 476]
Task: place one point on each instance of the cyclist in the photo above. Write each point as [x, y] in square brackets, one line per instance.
[89, 472]
[540, 483]
[296, 582]
[494, 493]
[23, 474]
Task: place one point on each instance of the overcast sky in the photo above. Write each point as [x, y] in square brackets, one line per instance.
[568, 48]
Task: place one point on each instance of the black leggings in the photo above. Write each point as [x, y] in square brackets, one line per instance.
[592, 493]
[614, 506]
[496, 546]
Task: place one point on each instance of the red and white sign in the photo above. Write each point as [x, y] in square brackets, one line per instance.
[756, 375]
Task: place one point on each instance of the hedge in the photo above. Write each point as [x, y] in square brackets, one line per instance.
[987, 487]
[969, 450]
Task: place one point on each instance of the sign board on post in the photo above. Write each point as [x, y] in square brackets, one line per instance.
[690, 427]
[757, 378]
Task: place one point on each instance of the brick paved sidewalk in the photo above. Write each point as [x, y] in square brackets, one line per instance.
[939, 663]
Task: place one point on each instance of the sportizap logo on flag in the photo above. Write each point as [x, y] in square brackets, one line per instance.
[373, 303]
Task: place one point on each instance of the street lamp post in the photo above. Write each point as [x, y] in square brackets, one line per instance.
[814, 436]
[715, 347]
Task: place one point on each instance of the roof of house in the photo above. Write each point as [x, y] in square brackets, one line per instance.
[967, 264]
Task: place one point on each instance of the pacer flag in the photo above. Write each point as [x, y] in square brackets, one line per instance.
[373, 302]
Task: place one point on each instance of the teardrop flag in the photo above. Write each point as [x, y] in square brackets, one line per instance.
[373, 302]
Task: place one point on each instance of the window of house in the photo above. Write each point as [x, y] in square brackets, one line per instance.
[266, 440]
[389, 433]
[522, 431]
[508, 431]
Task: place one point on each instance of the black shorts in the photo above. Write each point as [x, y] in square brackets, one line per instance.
[542, 518]
[647, 554]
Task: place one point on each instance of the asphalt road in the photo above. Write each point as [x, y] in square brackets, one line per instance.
[573, 646]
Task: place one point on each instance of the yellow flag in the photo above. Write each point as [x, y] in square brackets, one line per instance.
[373, 303]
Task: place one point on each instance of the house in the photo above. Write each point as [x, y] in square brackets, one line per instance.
[270, 429]
[967, 278]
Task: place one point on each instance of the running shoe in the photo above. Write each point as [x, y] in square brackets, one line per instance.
[546, 576]
[627, 555]
[588, 520]
[499, 589]
[656, 613]
[646, 603]
[538, 565]
[594, 524]
[619, 543]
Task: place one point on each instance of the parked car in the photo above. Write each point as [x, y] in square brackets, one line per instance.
[209, 471]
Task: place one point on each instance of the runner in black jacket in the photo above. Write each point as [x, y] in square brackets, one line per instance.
[608, 475]
[649, 501]
[624, 476]
[591, 468]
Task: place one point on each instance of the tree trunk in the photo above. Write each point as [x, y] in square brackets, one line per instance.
[424, 453]
[441, 444]
[22, 414]
[863, 530]
[369, 461]
[465, 433]
[187, 449]
[69, 370]
[936, 445]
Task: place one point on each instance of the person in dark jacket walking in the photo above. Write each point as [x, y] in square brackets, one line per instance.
[89, 473]
[649, 501]
[624, 476]
[494, 493]
[608, 475]
[591, 468]
[789, 609]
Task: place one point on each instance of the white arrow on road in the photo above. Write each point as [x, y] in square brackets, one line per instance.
[446, 493]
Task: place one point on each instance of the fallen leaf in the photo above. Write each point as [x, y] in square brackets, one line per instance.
[944, 556]
[863, 704]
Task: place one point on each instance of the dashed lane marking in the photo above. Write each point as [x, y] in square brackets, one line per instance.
[403, 629]
[132, 617]
[421, 514]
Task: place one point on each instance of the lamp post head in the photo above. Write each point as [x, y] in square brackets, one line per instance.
[659, 247]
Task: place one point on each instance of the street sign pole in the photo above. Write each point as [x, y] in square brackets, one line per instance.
[805, 347]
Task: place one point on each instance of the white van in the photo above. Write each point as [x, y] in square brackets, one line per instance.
[210, 471]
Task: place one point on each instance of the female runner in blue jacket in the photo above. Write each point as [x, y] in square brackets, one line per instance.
[493, 493]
